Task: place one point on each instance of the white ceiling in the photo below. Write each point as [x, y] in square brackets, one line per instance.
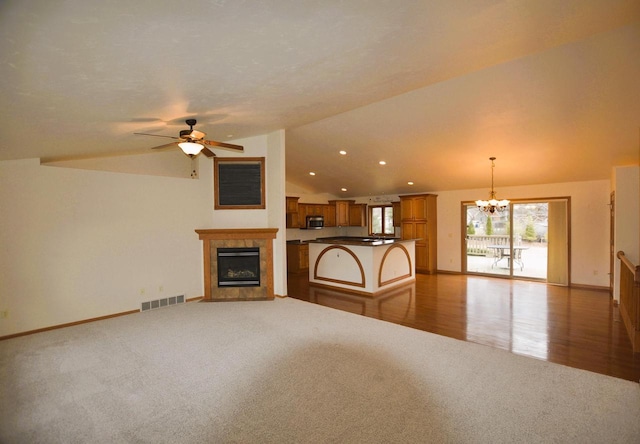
[434, 87]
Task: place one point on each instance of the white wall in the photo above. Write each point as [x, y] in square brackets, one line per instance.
[78, 244]
[589, 224]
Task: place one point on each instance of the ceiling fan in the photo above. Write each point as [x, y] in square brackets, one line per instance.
[192, 142]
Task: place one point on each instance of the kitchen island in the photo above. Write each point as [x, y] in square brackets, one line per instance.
[365, 265]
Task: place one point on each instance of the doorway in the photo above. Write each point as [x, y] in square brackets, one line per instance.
[529, 240]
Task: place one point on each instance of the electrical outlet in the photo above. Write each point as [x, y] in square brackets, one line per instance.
[4, 314]
[160, 289]
[142, 291]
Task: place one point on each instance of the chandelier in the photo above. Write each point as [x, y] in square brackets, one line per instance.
[492, 205]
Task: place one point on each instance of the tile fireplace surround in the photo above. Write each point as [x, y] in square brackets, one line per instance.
[213, 239]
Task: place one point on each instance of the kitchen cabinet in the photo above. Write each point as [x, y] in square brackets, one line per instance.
[397, 216]
[329, 213]
[293, 219]
[419, 221]
[297, 257]
[342, 211]
[357, 215]
[292, 204]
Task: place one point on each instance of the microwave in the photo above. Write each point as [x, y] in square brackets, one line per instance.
[314, 222]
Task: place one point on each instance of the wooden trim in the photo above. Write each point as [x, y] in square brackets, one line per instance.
[630, 299]
[587, 287]
[268, 298]
[397, 278]
[362, 282]
[345, 290]
[238, 160]
[196, 299]
[237, 233]
[635, 269]
[69, 324]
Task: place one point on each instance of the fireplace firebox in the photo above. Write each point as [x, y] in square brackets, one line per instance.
[238, 267]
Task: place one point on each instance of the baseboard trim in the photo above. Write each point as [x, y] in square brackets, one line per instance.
[589, 287]
[84, 321]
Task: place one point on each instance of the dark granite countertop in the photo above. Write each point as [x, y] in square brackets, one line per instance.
[354, 240]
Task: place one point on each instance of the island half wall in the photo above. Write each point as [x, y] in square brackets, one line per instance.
[361, 267]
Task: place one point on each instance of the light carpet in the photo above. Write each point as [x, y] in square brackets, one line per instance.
[287, 371]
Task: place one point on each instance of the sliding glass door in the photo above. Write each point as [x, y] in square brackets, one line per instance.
[528, 240]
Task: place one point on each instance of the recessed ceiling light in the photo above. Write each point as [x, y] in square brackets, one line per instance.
[343, 152]
[409, 183]
[343, 189]
[229, 135]
[311, 173]
[382, 162]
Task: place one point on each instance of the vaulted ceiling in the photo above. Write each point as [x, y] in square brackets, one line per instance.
[433, 87]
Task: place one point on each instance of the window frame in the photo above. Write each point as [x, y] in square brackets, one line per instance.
[384, 227]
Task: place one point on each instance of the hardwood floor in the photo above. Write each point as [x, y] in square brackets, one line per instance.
[575, 327]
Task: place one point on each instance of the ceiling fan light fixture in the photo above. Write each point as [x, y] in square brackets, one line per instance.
[191, 148]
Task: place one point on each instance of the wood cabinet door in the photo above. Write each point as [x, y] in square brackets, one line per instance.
[408, 230]
[329, 215]
[406, 208]
[342, 214]
[292, 220]
[292, 204]
[419, 208]
[304, 257]
[357, 215]
[420, 231]
[302, 214]
[422, 258]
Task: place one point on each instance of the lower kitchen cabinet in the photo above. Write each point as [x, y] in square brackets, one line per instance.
[297, 257]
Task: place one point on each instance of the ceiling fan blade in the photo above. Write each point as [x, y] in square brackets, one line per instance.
[156, 135]
[207, 152]
[165, 146]
[223, 145]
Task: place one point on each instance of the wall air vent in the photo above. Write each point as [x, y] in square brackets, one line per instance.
[164, 302]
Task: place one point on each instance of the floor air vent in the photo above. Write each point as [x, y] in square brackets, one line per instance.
[164, 302]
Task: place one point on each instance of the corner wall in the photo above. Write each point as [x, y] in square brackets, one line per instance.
[79, 244]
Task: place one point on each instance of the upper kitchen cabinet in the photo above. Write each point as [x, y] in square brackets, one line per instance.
[419, 221]
[358, 215]
[329, 215]
[342, 211]
[293, 219]
[349, 213]
[397, 216]
[292, 204]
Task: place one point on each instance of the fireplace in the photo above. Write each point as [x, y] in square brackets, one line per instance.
[238, 267]
[245, 251]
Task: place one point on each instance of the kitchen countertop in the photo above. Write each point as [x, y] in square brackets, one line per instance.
[354, 240]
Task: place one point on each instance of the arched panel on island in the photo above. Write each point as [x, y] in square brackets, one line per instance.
[395, 265]
[338, 264]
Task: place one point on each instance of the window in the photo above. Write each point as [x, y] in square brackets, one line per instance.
[381, 219]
